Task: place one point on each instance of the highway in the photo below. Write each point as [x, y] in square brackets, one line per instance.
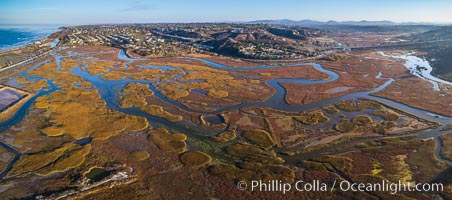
[8, 67]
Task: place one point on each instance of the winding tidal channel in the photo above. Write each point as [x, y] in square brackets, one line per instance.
[110, 91]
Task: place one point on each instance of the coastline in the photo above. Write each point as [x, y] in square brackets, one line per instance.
[37, 33]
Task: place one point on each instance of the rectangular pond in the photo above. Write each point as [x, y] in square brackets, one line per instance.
[8, 98]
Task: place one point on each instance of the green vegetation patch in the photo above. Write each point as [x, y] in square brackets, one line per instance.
[352, 106]
[259, 137]
[218, 94]
[225, 136]
[135, 95]
[251, 171]
[346, 126]
[252, 153]
[67, 161]
[362, 120]
[331, 110]
[389, 116]
[174, 143]
[428, 167]
[139, 155]
[384, 127]
[57, 157]
[312, 118]
[310, 165]
[342, 163]
[447, 146]
[195, 159]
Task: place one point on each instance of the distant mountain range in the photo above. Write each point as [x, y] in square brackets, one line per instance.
[312, 23]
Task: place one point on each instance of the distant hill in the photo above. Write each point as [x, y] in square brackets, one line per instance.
[439, 54]
[439, 33]
[312, 23]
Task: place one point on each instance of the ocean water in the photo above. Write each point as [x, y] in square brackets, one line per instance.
[12, 36]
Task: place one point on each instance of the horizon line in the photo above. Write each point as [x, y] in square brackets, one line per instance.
[238, 22]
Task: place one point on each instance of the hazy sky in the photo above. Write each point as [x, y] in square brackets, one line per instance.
[124, 11]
